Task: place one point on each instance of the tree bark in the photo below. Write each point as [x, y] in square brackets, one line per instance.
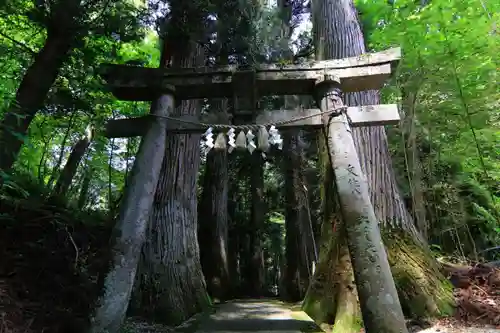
[69, 171]
[332, 296]
[380, 306]
[255, 264]
[31, 95]
[300, 247]
[342, 37]
[172, 286]
[299, 243]
[237, 227]
[213, 225]
[130, 229]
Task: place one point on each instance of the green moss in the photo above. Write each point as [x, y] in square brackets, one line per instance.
[423, 290]
[308, 325]
[347, 323]
[317, 309]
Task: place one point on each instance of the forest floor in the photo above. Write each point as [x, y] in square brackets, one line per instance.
[451, 326]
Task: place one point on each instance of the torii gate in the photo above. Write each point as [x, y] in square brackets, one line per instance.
[325, 80]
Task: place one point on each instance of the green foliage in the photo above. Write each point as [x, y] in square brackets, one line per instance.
[449, 62]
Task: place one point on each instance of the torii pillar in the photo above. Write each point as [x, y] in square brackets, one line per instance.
[380, 305]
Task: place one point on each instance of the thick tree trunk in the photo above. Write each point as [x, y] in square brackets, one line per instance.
[300, 247]
[337, 34]
[130, 229]
[254, 257]
[69, 171]
[255, 263]
[30, 96]
[332, 296]
[213, 225]
[300, 250]
[234, 244]
[172, 287]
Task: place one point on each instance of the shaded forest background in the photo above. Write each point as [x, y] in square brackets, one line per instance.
[57, 213]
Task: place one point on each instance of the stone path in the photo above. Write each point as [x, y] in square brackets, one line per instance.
[257, 316]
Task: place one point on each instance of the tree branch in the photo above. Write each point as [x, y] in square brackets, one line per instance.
[20, 44]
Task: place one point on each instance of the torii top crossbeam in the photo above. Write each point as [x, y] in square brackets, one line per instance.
[365, 72]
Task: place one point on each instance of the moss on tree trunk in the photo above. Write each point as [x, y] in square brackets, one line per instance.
[423, 290]
[332, 296]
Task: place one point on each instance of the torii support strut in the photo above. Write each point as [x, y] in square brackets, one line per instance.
[377, 293]
[131, 225]
[380, 306]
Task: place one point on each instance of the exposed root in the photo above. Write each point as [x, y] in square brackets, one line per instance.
[423, 290]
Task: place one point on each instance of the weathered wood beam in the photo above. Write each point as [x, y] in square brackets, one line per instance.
[144, 84]
[370, 115]
[368, 59]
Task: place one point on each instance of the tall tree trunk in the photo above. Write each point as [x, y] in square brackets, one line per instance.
[337, 34]
[31, 95]
[213, 224]
[300, 247]
[237, 231]
[172, 286]
[332, 296]
[69, 171]
[255, 264]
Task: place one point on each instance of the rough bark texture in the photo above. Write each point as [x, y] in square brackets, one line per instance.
[213, 224]
[300, 247]
[255, 268]
[339, 38]
[332, 296]
[423, 290]
[337, 34]
[36, 83]
[172, 287]
[130, 229]
[69, 171]
[234, 242]
[380, 306]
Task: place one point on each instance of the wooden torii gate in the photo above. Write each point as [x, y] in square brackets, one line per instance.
[325, 80]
